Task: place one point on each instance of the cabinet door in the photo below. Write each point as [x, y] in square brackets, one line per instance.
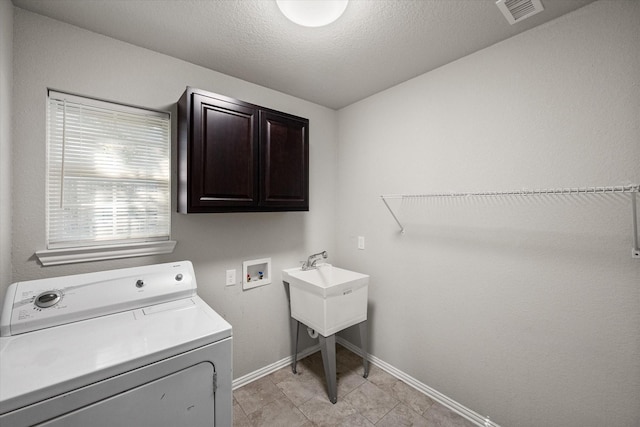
[284, 160]
[224, 155]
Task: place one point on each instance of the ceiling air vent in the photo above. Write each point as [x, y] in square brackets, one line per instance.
[519, 10]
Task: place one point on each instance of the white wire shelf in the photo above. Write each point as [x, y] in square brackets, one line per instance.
[633, 190]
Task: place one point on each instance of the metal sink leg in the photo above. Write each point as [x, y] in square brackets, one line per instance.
[363, 342]
[295, 347]
[328, 349]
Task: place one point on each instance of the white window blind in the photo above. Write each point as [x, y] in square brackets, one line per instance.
[108, 172]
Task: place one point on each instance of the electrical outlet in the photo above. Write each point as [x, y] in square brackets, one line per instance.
[231, 278]
[361, 242]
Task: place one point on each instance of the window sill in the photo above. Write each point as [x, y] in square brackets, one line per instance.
[49, 257]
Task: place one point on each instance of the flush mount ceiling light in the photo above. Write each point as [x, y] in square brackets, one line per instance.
[312, 13]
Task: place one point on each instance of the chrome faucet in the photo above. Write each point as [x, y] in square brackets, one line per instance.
[311, 261]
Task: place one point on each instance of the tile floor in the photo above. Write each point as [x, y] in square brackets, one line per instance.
[284, 399]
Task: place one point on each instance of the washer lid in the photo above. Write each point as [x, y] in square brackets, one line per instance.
[48, 362]
[39, 304]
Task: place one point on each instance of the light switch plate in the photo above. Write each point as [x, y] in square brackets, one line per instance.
[361, 242]
[231, 277]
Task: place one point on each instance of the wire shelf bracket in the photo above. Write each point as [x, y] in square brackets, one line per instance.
[392, 214]
[633, 190]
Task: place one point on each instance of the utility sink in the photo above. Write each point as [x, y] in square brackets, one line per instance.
[327, 298]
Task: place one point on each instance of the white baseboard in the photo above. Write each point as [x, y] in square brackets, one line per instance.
[262, 372]
[456, 407]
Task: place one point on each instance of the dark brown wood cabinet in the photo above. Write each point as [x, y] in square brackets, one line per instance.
[238, 157]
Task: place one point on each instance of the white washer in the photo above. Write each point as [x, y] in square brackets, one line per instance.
[128, 347]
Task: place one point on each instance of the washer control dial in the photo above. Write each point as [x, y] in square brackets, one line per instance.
[48, 298]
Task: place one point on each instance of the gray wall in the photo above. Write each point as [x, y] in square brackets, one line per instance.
[524, 310]
[6, 69]
[50, 54]
[527, 311]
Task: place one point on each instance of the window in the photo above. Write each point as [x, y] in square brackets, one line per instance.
[108, 181]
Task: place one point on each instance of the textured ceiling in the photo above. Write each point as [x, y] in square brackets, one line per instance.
[376, 44]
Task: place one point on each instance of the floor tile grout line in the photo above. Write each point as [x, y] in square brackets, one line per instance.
[349, 367]
[435, 395]
[273, 367]
[386, 413]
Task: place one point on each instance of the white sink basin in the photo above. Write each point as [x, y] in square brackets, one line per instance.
[327, 299]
